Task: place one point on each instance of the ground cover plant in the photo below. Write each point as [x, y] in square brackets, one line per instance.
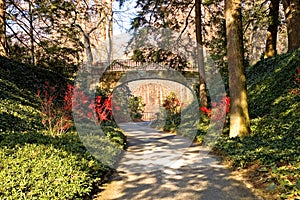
[35, 161]
[272, 152]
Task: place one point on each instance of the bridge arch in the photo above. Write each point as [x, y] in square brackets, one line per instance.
[163, 39]
[149, 75]
[170, 75]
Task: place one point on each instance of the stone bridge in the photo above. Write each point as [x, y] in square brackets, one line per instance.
[153, 82]
[129, 65]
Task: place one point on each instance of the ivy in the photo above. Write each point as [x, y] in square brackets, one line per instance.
[274, 146]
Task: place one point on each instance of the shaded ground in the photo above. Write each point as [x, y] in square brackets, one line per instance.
[158, 165]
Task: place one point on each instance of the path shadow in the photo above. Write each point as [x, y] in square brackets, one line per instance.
[195, 174]
[204, 182]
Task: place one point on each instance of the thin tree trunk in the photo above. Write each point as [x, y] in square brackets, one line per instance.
[109, 30]
[239, 116]
[271, 42]
[88, 49]
[200, 59]
[2, 29]
[292, 15]
[32, 49]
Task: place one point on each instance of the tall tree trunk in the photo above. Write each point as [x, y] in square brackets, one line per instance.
[292, 15]
[109, 31]
[2, 29]
[88, 49]
[31, 32]
[200, 59]
[272, 29]
[239, 116]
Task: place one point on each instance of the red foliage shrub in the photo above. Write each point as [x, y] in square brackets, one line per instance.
[223, 104]
[56, 116]
[98, 109]
[172, 104]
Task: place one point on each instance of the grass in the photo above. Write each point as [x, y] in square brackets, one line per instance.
[271, 154]
[33, 163]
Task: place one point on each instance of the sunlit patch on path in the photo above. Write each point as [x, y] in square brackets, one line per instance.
[159, 165]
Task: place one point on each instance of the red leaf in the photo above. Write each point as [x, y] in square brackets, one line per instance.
[205, 110]
[90, 115]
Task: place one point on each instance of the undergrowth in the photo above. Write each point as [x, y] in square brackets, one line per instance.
[35, 164]
[274, 144]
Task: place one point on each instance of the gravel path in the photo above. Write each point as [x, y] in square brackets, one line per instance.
[160, 165]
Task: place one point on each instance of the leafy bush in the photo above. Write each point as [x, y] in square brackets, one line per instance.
[173, 110]
[55, 116]
[56, 110]
[274, 145]
[29, 78]
[202, 128]
[51, 56]
[224, 104]
[115, 134]
[37, 166]
[17, 107]
[33, 163]
[270, 82]
[136, 107]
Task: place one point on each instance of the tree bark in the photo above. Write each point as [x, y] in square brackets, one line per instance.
[2, 29]
[109, 31]
[271, 42]
[292, 15]
[200, 58]
[239, 116]
[88, 49]
[31, 31]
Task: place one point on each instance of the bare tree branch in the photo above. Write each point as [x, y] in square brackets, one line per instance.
[187, 20]
[16, 35]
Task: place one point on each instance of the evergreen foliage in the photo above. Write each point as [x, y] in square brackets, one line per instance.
[136, 107]
[273, 147]
[35, 164]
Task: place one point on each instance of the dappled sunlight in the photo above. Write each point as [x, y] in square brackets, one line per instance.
[153, 169]
[158, 149]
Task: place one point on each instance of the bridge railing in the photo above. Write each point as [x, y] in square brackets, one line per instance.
[130, 65]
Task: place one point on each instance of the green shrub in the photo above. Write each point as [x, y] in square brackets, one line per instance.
[173, 112]
[28, 78]
[36, 166]
[115, 134]
[136, 107]
[33, 163]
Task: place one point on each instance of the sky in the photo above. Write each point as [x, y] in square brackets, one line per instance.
[123, 16]
[121, 26]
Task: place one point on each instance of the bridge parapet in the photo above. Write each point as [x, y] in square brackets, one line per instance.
[130, 65]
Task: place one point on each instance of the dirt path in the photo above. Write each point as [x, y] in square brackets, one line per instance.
[158, 166]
